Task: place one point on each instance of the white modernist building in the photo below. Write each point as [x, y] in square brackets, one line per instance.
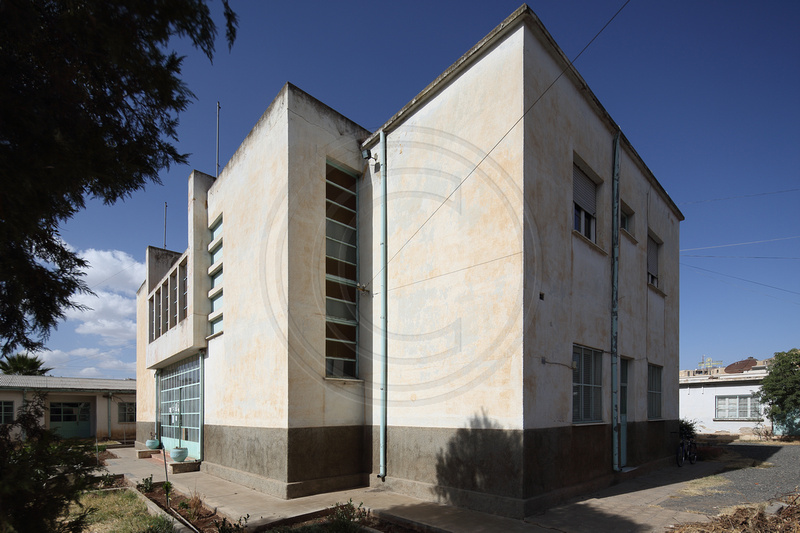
[476, 303]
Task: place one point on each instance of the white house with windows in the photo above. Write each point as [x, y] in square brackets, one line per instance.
[477, 303]
[721, 401]
[75, 407]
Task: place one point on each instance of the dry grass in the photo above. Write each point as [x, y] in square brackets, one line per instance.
[751, 520]
[704, 485]
[120, 511]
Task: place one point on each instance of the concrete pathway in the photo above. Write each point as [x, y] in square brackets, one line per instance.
[631, 506]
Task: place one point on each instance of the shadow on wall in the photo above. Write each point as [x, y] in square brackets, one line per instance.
[483, 458]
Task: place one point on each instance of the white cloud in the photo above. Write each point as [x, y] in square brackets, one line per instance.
[113, 271]
[114, 276]
[90, 362]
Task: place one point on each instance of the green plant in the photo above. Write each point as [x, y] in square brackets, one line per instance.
[146, 484]
[688, 428]
[229, 527]
[346, 517]
[41, 474]
[107, 479]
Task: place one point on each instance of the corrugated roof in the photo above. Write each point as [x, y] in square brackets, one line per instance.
[57, 383]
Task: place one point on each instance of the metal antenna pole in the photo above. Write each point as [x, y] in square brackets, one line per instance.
[165, 225]
[217, 167]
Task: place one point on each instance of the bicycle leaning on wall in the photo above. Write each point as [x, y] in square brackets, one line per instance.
[687, 448]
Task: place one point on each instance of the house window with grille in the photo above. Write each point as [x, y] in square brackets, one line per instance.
[737, 407]
[654, 391]
[587, 384]
[126, 412]
[341, 274]
[584, 196]
[6, 412]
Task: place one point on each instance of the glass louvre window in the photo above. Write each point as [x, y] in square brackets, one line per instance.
[126, 412]
[180, 400]
[215, 294]
[584, 196]
[6, 412]
[587, 384]
[737, 408]
[341, 271]
[182, 279]
[654, 391]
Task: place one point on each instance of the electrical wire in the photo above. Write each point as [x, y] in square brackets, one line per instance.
[738, 244]
[738, 197]
[741, 279]
[486, 156]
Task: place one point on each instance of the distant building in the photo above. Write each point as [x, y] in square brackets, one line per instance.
[721, 400]
[495, 382]
[76, 407]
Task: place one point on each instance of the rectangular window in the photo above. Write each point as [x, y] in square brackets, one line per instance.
[652, 260]
[6, 412]
[179, 397]
[587, 385]
[341, 270]
[126, 412]
[584, 195]
[626, 218]
[654, 391]
[183, 281]
[173, 299]
[738, 407]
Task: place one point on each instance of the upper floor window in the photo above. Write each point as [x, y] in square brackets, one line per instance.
[584, 196]
[626, 218]
[653, 246]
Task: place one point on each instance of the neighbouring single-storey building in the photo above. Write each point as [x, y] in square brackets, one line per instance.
[477, 303]
[76, 407]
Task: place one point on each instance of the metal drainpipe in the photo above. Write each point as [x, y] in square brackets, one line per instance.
[615, 307]
[383, 345]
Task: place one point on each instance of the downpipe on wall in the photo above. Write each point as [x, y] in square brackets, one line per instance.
[615, 429]
[383, 345]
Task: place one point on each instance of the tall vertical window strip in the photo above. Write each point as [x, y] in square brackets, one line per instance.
[183, 281]
[654, 391]
[6, 412]
[587, 384]
[584, 196]
[215, 318]
[341, 271]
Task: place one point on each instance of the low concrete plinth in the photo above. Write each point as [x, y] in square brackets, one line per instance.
[179, 468]
[146, 454]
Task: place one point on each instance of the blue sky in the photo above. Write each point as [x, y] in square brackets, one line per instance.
[706, 91]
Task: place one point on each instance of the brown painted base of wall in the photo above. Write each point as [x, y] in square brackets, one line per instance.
[287, 463]
[512, 472]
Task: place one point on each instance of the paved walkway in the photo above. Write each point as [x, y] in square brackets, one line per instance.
[631, 506]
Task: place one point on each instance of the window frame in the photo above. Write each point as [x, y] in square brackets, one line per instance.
[653, 260]
[584, 201]
[752, 403]
[587, 385]
[6, 412]
[124, 412]
[655, 391]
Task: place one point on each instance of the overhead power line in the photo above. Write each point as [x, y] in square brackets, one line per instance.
[739, 244]
[486, 156]
[738, 197]
[741, 279]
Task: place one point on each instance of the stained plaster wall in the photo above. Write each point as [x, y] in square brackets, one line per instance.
[455, 249]
[568, 288]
